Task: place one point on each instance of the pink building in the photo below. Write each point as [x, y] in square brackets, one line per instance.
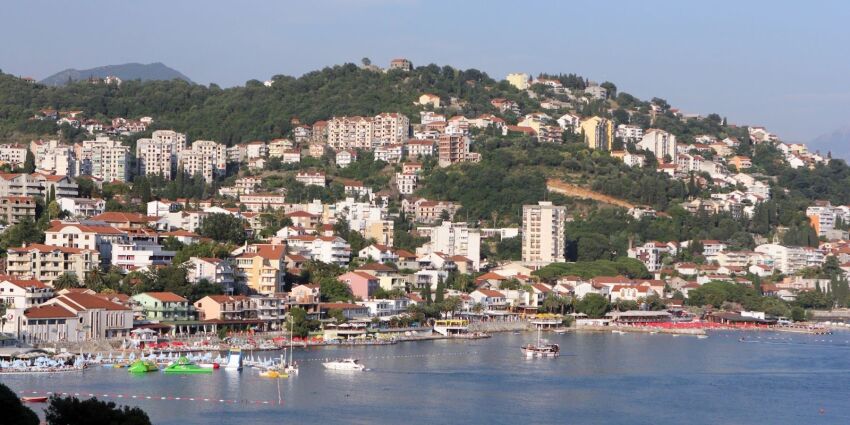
[362, 284]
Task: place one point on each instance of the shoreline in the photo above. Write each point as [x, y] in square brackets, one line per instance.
[478, 330]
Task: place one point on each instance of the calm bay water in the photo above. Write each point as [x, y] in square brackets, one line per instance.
[602, 378]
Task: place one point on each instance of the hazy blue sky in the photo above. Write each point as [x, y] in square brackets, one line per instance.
[785, 65]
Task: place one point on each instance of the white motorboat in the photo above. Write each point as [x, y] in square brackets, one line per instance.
[542, 349]
[344, 364]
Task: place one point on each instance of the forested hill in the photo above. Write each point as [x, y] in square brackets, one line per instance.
[255, 111]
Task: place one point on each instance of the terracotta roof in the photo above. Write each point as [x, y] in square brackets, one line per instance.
[87, 301]
[490, 276]
[22, 283]
[120, 217]
[376, 267]
[57, 226]
[362, 275]
[48, 312]
[168, 297]
[491, 293]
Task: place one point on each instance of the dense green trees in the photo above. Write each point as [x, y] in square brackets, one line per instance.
[252, 111]
[24, 232]
[73, 411]
[593, 305]
[224, 228]
[587, 269]
[13, 411]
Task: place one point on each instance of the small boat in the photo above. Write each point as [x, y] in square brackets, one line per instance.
[143, 366]
[35, 399]
[271, 373]
[542, 349]
[560, 331]
[702, 336]
[185, 366]
[619, 332]
[344, 364]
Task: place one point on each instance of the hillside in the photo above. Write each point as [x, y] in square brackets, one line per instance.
[127, 71]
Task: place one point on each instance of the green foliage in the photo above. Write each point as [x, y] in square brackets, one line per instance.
[588, 269]
[716, 293]
[593, 305]
[66, 280]
[300, 324]
[24, 232]
[224, 228]
[507, 177]
[334, 290]
[172, 279]
[14, 412]
[205, 249]
[798, 314]
[813, 299]
[73, 411]
[403, 237]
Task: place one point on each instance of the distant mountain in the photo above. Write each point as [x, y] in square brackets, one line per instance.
[837, 142]
[127, 71]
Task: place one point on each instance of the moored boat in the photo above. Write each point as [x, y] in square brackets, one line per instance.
[541, 349]
[344, 364]
[35, 399]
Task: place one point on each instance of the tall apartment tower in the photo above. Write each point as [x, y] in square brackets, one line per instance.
[543, 239]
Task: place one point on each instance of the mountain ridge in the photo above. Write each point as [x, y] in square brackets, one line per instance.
[126, 71]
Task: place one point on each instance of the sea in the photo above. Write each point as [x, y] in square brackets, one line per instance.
[601, 378]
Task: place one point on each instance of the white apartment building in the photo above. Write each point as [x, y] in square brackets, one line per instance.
[311, 178]
[390, 128]
[543, 239]
[629, 133]
[420, 148]
[367, 132]
[206, 158]
[57, 159]
[13, 154]
[82, 207]
[389, 153]
[787, 259]
[660, 143]
[213, 270]
[154, 158]
[406, 183]
[158, 155]
[140, 255]
[327, 249]
[652, 253]
[453, 239]
[277, 147]
[103, 158]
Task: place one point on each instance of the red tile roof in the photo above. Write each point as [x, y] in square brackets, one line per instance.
[48, 312]
[168, 297]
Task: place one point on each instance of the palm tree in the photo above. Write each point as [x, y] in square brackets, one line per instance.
[66, 280]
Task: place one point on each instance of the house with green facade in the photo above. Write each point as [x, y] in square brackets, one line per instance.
[164, 306]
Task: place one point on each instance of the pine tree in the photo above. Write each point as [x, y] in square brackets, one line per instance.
[29, 162]
[441, 291]
[426, 294]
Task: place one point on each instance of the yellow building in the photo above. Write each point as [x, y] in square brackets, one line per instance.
[381, 231]
[598, 133]
[261, 268]
[518, 80]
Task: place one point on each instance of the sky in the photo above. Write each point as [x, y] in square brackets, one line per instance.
[780, 64]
